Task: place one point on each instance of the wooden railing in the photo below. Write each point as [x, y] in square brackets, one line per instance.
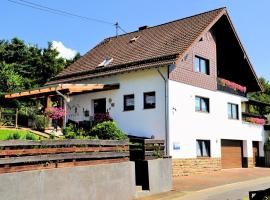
[19, 155]
[146, 149]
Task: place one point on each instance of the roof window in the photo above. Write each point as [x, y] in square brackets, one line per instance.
[105, 62]
[134, 39]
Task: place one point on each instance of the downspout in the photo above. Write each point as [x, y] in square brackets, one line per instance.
[166, 112]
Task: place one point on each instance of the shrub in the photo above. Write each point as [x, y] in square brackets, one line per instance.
[13, 136]
[69, 131]
[30, 136]
[40, 122]
[108, 130]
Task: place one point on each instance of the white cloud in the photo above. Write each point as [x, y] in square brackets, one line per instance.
[64, 52]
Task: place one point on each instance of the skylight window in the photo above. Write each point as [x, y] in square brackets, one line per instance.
[105, 62]
[135, 39]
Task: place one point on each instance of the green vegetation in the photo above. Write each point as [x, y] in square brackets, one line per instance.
[12, 134]
[24, 66]
[262, 96]
[106, 130]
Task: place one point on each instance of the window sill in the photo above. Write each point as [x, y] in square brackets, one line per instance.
[199, 111]
[148, 108]
[201, 73]
[233, 119]
[128, 110]
[203, 157]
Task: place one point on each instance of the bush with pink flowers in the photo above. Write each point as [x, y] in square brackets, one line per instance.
[102, 117]
[55, 113]
[256, 120]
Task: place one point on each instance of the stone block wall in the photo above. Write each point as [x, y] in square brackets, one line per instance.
[189, 166]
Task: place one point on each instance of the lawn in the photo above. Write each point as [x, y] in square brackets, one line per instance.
[6, 134]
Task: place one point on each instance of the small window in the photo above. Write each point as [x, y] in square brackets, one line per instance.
[201, 65]
[203, 148]
[129, 102]
[201, 104]
[105, 62]
[233, 111]
[134, 39]
[149, 99]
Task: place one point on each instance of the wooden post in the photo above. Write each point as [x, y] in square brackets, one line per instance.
[0, 114]
[48, 102]
[16, 118]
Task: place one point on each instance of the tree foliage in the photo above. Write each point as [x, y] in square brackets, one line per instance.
[24, 66]
[262, 96]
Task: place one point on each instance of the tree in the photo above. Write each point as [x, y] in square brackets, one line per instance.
[24, 66]
[262, 96]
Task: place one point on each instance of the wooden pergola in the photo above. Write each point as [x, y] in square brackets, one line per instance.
[61, 90]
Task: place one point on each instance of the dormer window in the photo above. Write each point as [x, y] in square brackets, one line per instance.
[105, 62]
[134, 39]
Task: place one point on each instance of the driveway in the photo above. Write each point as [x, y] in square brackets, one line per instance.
[217, 184]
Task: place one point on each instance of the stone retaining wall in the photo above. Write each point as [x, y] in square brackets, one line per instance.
[189, 166]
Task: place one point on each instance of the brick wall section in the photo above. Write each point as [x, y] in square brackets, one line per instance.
[184, 70]
[189, 166]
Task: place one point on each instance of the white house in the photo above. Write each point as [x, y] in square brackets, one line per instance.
[174, 82]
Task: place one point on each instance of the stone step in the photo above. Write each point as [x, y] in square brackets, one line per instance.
[143, 193]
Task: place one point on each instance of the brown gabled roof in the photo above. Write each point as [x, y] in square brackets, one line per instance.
[156, 45]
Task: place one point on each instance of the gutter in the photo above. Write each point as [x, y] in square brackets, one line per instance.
[166, 112]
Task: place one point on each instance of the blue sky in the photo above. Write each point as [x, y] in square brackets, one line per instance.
[251, 19]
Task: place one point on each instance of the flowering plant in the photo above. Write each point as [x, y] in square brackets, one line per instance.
[55, 113]
[255, 120]
[233, 85]
[101, 117]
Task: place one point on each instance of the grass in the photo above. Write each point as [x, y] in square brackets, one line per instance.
[6, 134]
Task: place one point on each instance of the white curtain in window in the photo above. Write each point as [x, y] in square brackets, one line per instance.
[199, 153]
[204, 149]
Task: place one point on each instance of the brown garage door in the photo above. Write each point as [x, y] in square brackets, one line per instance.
[231, 154]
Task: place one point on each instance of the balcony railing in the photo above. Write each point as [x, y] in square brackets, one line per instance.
[231, 87]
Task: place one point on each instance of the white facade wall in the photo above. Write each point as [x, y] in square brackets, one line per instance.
[186, 125]
[140, 122]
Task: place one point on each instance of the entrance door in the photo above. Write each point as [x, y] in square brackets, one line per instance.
[255, 145]
[231, 154]
[100, 106]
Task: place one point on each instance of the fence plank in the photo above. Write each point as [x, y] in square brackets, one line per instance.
[17, 152]
[72, 142]
[61, 156]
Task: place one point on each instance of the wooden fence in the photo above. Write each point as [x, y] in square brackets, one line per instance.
[23, 155]
[146, 149]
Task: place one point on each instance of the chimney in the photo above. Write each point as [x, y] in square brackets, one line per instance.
[143, 27]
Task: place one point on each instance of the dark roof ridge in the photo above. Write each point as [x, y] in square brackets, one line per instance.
[224, 7]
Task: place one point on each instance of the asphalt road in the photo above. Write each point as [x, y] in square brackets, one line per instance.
[235, 191]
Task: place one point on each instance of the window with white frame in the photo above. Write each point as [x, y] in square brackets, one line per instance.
[203, 148]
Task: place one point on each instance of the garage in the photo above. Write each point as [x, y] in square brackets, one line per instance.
[231, 154]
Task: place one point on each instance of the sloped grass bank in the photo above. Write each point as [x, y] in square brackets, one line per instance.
[6, 134]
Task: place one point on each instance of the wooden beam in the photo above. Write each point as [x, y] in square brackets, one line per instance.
[71, 142]
[17, 152]
[62, 156]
